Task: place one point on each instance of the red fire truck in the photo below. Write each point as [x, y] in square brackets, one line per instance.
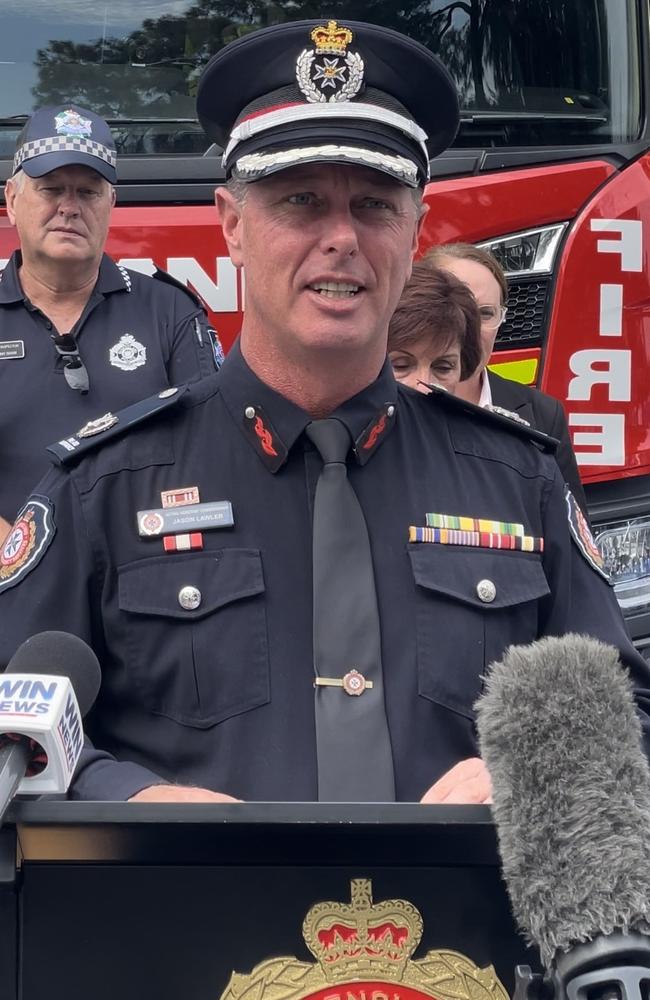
[550, 169]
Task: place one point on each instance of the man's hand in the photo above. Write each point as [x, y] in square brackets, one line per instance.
[179, 793]
[468, 782]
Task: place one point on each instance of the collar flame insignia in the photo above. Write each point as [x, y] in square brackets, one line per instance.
[339, 78]
[362, 943]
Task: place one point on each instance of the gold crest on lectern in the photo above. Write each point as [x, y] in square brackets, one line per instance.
[363, 952]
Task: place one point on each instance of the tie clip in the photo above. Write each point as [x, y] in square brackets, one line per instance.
[353, 683]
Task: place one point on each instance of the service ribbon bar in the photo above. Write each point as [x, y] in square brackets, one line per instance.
[473, 524]
[478, 539]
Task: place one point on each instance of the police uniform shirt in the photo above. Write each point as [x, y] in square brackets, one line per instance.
[136, 335]
[207, 654]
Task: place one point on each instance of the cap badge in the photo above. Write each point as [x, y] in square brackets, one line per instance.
[97, 426]
[321, 78]
[71, 123]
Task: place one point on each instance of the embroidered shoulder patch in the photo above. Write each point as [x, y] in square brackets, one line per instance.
[582, 536]
[27, 541]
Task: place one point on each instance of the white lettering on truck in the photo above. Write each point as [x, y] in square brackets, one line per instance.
[605, 432]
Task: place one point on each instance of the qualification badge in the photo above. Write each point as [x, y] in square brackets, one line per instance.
[97, 426]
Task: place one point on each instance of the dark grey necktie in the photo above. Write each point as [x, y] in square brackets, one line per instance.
[355, 762]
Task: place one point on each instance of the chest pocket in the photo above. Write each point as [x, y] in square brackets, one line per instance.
[471, 604]
[195, 634]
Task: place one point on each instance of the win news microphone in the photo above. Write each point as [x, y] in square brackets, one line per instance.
[561, 739]
[48, 686]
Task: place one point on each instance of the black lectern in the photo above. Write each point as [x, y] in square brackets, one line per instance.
[120, 901]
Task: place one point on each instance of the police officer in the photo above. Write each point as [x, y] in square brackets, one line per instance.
[215, 543]
[79, 334]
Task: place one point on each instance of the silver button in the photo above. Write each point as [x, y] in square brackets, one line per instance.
[250, 412]
[166, 393]
[390, 411]
[486, 591]
[189, 598]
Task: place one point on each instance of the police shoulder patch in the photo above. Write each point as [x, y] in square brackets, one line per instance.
[111, 425]
[582, 536]
[27, 541]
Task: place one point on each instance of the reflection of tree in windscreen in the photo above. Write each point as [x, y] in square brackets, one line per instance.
[487, 45]
[153, 70]
[498, 50]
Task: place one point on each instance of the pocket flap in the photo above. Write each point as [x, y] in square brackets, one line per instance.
[157, 586]
[456, 571]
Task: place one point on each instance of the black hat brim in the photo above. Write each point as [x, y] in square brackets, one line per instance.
[45, 163]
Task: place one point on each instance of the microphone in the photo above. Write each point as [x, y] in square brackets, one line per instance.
[48, 686]
[560, 736]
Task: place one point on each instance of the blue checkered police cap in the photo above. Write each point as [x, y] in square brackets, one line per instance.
[63, 136]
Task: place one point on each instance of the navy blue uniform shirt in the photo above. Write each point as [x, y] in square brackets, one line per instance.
[218, 692]
[136, 335]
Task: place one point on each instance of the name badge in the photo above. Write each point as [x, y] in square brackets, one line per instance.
[177, 520]
[10, 349]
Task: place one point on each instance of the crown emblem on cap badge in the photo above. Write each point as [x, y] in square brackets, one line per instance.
[329, 79]
[361, 938]
[331, 38]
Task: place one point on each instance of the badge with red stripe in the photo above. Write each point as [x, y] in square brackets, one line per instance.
[182, 543]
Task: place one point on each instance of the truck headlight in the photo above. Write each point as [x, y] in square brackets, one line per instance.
[529, 252]
[625, 548]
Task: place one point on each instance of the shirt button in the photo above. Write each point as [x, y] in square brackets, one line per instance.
[249, 412]
[486, 591]
[189, 598]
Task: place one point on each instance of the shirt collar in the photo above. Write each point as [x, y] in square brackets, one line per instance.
[272, 424]
[112, 277]
[485, 399]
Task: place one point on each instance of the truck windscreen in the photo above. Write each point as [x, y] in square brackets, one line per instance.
[529, 72]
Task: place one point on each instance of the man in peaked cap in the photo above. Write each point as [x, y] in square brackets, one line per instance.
[80, 334]
[296, 573]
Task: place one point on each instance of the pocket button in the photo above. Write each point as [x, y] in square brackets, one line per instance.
[486, 591]
[189, 598]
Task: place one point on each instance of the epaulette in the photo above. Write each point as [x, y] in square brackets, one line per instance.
[160, 275]
[496, 416]
[112, 425]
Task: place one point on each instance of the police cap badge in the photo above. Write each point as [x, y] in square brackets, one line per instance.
[320, 91]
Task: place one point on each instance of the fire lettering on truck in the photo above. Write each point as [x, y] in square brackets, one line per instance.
[611, 367]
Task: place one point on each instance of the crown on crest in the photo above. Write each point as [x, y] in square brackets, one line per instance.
[363, 939]
[333, 39]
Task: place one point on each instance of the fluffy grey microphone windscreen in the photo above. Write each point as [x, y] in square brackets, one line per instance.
[561, 739]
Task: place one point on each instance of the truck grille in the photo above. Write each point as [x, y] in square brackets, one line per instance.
[524, 323]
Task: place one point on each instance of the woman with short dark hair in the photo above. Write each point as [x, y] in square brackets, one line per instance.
[434, 335]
